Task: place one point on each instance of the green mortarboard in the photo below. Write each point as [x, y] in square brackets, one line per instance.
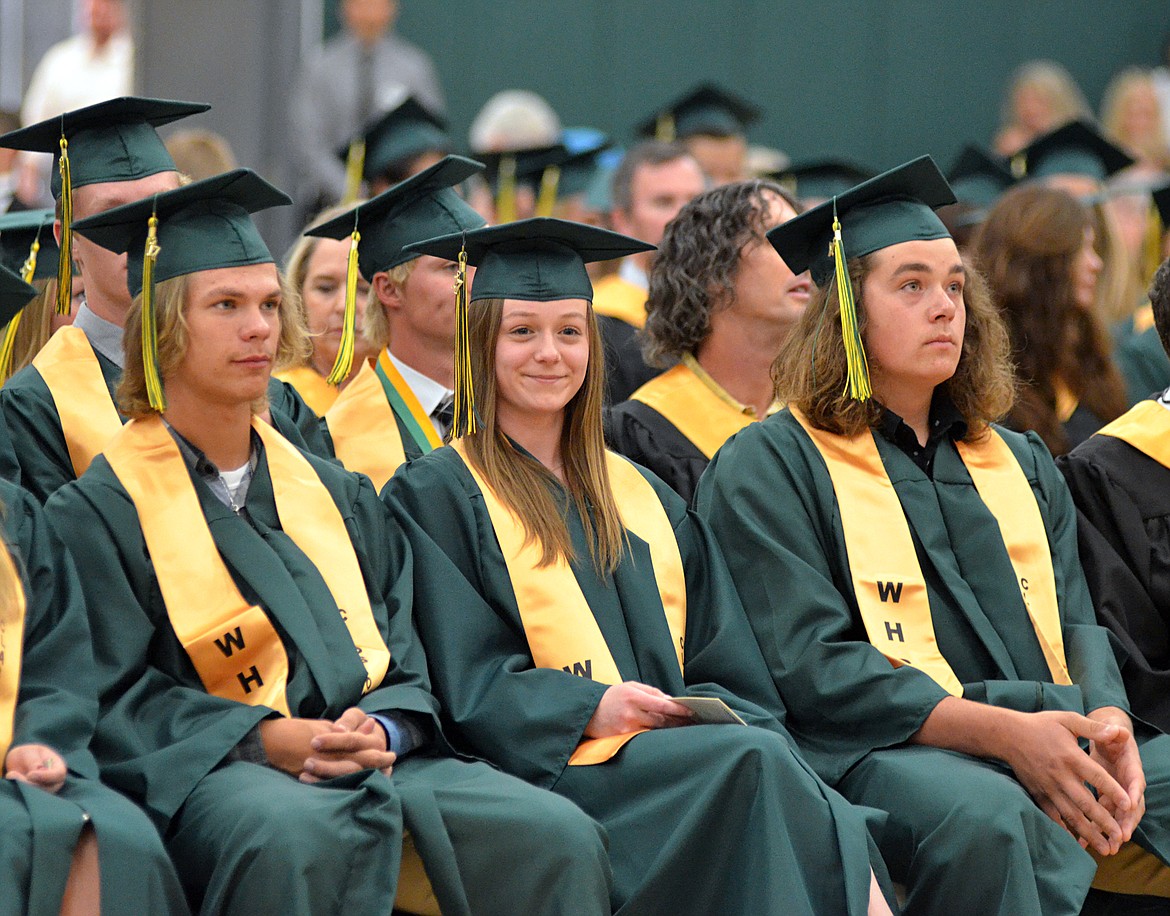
[578, 169]
[979, 178]
[201, 226]
[403, 132]
[113, 140]
[1077, 148]
[422, 207]
[705, 110]
[821, 179]
[896, 206]
[526, 165]
[537, 260]
[18, 231]
[15, 294]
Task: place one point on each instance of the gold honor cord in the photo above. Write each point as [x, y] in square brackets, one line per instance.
[465, 422]
[355, 165]
[27, 271]
[506, 190]
[12, 610]
[344, 361]
[857, 384]
[154, 386]
[65, 264]
[550, 179]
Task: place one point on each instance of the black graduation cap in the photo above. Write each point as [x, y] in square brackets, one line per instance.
[201, 226]
[820, 179]
[113, 140]
[400, 134]
[537, 260]
[19, 231]
[421, 207]
[1076, 148]
[978, 177]
[15, 294]
[705, 110]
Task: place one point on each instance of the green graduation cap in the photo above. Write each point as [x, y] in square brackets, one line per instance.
[536, 260]
[1077, 148]
[202, 226]
[815, 180]
[979, 178]
[705, 110]
[405, 131]
[538, 168]
[421, 207]
[578, 169]
[20, 231]
[896, 206]
[15, 294]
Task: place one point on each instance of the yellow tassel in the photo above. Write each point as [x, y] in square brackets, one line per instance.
[1152, 245]
[355, 165]
[8, 346]
[344, 361]
[154, 386]
[857, 384]
[65, 265]
[1019, 166]
[664, 130]
[29, 268]
[465, 423]
[549, 181]
[506, 191]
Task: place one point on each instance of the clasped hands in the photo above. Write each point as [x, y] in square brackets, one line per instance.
[317, 749]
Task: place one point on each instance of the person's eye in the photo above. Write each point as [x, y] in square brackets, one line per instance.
[325, 287]
[224, 304]
[912, 286]
[272, 305]
[571, 331]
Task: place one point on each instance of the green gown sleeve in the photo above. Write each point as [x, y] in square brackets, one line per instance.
[294, 419]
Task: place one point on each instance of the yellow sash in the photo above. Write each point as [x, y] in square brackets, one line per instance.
[887, 578]
[619, 298]
[364, 432]
[558, 623]
[11, 646]
[696, 411]
[1145, 426]
[88, 416]
[311, 386]
[233, 645]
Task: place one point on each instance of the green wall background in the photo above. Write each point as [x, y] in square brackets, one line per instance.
[880, 80]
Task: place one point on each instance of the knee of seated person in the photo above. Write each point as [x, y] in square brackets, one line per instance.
[557, 824]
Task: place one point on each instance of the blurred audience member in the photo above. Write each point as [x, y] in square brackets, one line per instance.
[1132, 119]
[711, 124]
[1042, 96]
[1161, 77]
[200, 153]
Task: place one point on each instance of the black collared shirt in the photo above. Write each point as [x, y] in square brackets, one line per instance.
[945, 422]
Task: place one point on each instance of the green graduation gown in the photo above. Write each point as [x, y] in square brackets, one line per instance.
[57, 707]
[38, 444]
[770, 501]
[251, 839]
[702, 819]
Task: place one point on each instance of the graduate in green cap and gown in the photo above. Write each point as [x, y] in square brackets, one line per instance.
[578, 596]
[67, 843]
[262, 694]
[910, 572]
[400, 406]
[403, 141]
[60, 411]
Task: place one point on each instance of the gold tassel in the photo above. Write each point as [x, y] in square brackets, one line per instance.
[1019, 165]
[355, 165]
[550, 179]
[8, 346]
[344, 361]
[664, 129]
[506, 190]
[1152, 245]
[65, 265]
[465, 423]
[29, 268]
[154, 386]
[857, 384]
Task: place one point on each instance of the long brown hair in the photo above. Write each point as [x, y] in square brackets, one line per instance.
[523, 484]
[810, 371]
[1027, 248]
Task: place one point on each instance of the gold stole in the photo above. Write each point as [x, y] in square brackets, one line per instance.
[12, 607]
[1145, 426]
[619, 298]
[233, 645]
[693, 408]
[887, 578]
[311, 386]
[561, 630]
[365, 434]
[89, 419]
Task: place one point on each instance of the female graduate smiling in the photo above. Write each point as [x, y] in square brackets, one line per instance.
[580, 596]
[251, 606]
[910, 571]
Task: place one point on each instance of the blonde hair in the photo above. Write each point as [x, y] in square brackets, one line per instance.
[810, 371]
[524, 484]
[170, 307]
[376, 327]
[1152, 149]
[35, 328]
[1065, 100]
[200, 153]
